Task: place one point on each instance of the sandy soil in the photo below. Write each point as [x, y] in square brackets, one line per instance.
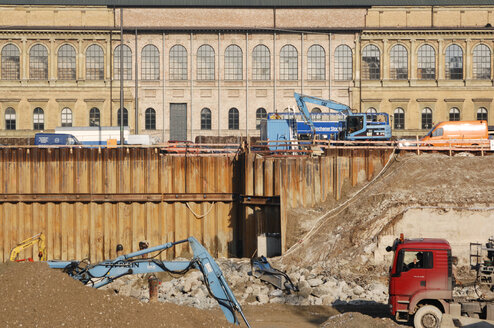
[427, 180]
[33, 295]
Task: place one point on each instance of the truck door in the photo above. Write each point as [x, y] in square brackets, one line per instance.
[411, 272]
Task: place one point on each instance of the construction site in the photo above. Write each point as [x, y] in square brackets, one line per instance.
[323, 222]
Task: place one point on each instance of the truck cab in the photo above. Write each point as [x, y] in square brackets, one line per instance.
[420, 280]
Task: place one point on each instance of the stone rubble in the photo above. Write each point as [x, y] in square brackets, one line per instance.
[316, 287]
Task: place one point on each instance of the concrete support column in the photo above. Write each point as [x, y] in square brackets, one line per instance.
[468, 60]
[412, 66]
[80, 64]
[24, 59]
[52, 62]
[385, 61]
[440, 61]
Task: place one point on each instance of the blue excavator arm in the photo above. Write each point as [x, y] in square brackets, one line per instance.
[102, 273]
[302, 99]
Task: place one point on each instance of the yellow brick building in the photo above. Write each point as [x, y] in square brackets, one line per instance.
[217, 69]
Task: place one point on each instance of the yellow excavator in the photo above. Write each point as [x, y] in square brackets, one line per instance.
[39, 238]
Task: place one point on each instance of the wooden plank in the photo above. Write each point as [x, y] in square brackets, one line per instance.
[64, 230]
[258, 177]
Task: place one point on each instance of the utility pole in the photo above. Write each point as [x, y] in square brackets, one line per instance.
[121, 80]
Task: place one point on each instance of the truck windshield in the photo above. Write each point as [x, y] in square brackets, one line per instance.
[431, 130]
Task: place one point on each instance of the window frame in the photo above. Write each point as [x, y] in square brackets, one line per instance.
[316, 63]
[261, 63]
[481, 112]
[150, 63]
[233, 63]
[426, 62]
[127, 62]
[398, 62]
[233, 119]
[38, 119]
[261, 114]
[11, 67]
[426, 118]
[66, 117]
[288, 69]
[125, 117]
[10, 119]
[94, 117]
[206, 61]
[206, 121]
[451, 72]
[66, 62]
[343, 63]
[178, 61]
[95, 63]
[454, 114]
[38, 62]
[399, 118]
[368, 72]
[481, 59]
[150, 119]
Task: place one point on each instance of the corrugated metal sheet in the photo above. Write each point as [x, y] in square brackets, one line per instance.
[252, 3]
[87, 201]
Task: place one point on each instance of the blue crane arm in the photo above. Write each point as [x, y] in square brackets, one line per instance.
[103, 273]
[331, 104]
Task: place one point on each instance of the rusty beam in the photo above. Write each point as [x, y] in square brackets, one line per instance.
[139, 197]
[260, 200]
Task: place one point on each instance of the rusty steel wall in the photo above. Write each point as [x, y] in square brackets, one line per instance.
[87, 200]
[304, 182]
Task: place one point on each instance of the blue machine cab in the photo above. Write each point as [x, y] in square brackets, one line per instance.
[55, 139]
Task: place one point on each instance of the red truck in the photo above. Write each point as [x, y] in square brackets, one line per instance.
[421, 283]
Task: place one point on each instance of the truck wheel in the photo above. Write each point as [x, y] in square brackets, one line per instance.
[428, 316]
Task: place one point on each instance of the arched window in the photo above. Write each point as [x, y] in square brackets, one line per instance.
[454, 62]
[233, 63]
[233, 119]
[371, 114]
[178, 63]
[315, 114]
[454, 114]
[288, 63]
[66, 62]
[343, 63]
[125, 117]
[398, 63]
[205, 62]
[261, 63]
[95, 63]
[371, 63]
[205, 119]
[150, 123]
[482, 62]
[399, 119]
[10, 119]
[10, 62]
[316, 63]
[426, 68]
[150, 66]
[482, 114]
[261, 114]
[66, 117]
[94, 117]
[38, 63]
[38, 119]
[127, 62]
[426, 118]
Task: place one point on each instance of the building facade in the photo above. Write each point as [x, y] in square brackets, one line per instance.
[194, 70]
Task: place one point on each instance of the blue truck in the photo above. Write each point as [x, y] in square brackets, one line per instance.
[55, 139]
[305, 127]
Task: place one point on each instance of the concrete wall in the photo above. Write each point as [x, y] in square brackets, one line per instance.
[459, 226]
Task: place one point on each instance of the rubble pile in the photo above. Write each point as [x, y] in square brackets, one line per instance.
[316, 287]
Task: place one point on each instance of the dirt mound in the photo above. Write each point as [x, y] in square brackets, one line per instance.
[344, 239]
[33, 295]
[358, 320]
